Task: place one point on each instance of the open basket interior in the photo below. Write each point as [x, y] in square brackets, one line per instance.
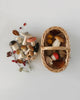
[48, 49]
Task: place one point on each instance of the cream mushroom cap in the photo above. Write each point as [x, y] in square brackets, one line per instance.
[26, 34]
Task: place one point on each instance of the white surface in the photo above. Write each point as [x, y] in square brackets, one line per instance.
[40, 84]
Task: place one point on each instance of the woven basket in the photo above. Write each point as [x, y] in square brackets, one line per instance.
[66, 48]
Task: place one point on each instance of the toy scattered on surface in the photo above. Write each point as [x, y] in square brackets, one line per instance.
[24, 49]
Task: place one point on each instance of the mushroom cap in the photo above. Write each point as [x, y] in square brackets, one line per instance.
[28, 57]
[12, 42]
[15, 32]
[32, 39]
[23, 47]
[59, 38]
[21, 69]
[48, 59]
[31, 53]
[19, 39]
[62, 53]
[24, 34]
[19, 61]
[30, 47]
[18, 52]
[56, 55]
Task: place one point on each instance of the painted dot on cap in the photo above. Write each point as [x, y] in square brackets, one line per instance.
[24, 24]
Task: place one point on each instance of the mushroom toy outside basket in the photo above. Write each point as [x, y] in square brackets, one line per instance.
[55, 49]
[24, 49]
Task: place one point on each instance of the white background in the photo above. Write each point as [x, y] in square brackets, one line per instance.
[40, 84]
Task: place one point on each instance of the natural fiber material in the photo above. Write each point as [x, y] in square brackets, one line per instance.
[67, 48]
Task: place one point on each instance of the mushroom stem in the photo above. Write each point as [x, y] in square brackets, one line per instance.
[33, 43]
[26, 36]
[53, 57]
[24, 41]
[35, 53]
[21, 56]
[15, 47]
[56, 43]
[27, 51]
[19, 40]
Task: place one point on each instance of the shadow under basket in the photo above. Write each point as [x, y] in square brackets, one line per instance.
[63, 50]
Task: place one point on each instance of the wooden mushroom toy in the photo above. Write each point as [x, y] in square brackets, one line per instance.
[24, 48]
[55, 56]
[26, 36]
[30, 55]
[19, 40]
[15, 32]
[21, 55]
[49, 61]
[14, 45]
[58, 41]
[32, 40]
[29, 48]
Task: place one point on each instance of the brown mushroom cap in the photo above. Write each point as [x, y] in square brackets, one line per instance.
[15, 32]
[19, 61]
[18, 52]
[31, 53]
[23, 47]
[30, 47]
[62, 53]
[28, 57]
[59, 38]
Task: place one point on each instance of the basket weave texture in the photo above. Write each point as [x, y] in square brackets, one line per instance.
[66, 48]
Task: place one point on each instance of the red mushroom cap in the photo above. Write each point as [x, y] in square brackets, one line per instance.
[56, 55]
[32, 39]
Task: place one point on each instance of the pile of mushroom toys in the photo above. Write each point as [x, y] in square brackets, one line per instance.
[24, 50]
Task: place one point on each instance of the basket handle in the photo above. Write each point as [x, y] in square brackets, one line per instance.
[54, 48]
